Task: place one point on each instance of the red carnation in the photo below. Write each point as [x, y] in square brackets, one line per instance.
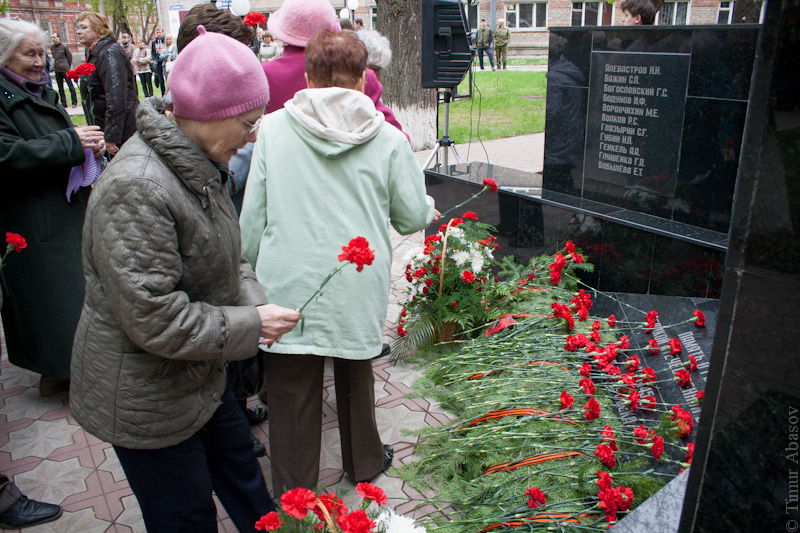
[335, 506]
[401, 330]
[606, 455]
[624, 342]
[371, 492]
[269, 522]
[633, 397]
[591, 410]
[15, 241]
[658, 447]
[641, 434]
[537, 497]
[356, 522]
[675, 346]
[566, 400]
[650, 375]
[470, 214]
[587, 385]
[467, 276]
[700, 318]
[569, 247]
[612, 321]
[586, 370]
[577, 258]
[297, 502]
[607, 435]
[690, 453]
[254, 19]
[490, 184]
[650, 321]
[603, 480]
[649, 403]
[653, 349]
[633, 363]
[683, 377]
[699, 395]
[357, 252]
[691, 364]
[84, 69]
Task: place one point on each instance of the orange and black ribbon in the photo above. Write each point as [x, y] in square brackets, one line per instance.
[518, 411]
[541, 518]
[531, 363]
[529, 461]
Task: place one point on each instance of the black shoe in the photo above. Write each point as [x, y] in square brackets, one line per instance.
[26, 512]
[256, 416]
[388, 455]
[258, 447]
[385, 350]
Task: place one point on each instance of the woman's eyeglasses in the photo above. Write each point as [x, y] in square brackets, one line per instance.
[252, 127]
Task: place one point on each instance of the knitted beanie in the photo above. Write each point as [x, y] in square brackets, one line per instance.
[216, 77]
[297, 21]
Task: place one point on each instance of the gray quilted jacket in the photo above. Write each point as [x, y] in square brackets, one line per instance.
[169, 297]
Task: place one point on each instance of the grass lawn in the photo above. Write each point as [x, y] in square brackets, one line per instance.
[504, 104]
[80, 120]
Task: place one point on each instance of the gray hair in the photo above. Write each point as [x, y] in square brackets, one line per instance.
[12, 32]
[378, 48]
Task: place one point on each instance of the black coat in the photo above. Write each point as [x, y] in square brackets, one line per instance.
[38, 147]
[109, 93]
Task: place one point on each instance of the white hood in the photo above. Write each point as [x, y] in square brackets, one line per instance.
[336, 114]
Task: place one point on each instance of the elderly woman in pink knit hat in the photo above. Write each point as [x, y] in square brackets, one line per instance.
[295, 23]
[170, 299]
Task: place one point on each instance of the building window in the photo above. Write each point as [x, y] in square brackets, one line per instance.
[373, 15]
[45, 24]
[673, 13]
[62, 31]
[523, 16]
[725, 13]
[585, 13]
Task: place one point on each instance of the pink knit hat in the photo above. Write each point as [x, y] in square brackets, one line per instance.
[297, 21]
[216, 77]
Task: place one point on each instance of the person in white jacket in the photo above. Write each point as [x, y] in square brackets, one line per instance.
[327, 169]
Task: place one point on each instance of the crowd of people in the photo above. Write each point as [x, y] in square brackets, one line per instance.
[142, 289]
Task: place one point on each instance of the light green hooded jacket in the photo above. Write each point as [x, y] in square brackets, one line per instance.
[324, 171]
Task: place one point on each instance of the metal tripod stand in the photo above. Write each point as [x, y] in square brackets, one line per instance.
[444, 142]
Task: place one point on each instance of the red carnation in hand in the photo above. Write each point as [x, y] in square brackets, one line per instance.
[254, 19]
[15, 241]
[684, 379]
[371, 492]
[606, 455]
[537, 497]
[357, 252]
[356, 522]
[566, 400]
[490, 184]
[467, 276]
[675, 346]
[297, 502]
[269, 522]
[700, 318]
[591, 410]
[84, 69]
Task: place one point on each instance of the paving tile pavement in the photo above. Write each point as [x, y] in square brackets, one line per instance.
[53, 459]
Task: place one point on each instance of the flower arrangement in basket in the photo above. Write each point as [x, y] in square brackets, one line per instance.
[450, 279]
[329, 513]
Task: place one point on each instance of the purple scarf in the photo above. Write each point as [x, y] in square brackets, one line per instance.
[84, 174]
[33, 88]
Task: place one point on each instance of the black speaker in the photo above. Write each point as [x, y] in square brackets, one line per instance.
[446, 54]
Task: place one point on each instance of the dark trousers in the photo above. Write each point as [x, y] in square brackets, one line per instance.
[147, 83]
[160, 81]
[9, 493]
[61, 77]
[488, 51]
[294, 393]
[174, 484]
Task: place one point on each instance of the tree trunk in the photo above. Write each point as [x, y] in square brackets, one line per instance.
[415, 107]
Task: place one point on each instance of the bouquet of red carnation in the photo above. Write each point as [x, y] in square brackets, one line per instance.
[84, 69]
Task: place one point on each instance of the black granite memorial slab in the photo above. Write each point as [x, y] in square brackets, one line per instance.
[649, 119]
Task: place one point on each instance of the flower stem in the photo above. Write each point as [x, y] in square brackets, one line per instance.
[324, 282]
[464, 202]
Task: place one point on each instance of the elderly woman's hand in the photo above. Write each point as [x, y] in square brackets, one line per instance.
[90, 136]
[276, 321]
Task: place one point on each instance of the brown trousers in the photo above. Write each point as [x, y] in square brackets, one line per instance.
[294, 397]
[9, 493]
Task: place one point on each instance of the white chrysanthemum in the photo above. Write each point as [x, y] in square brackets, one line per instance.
[414, 254]
[456, 233]
[461, 257]
[477, 261]
[390, 522]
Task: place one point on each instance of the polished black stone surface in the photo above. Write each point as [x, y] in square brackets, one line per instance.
[631, 251]
[649, 119]
[744, 476]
